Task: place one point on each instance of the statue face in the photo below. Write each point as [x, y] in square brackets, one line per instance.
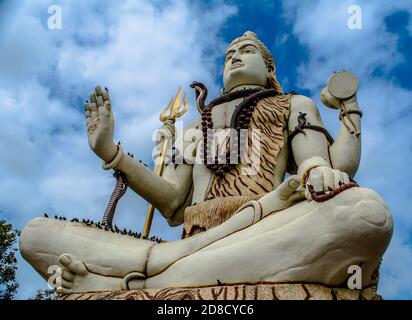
[244, 65]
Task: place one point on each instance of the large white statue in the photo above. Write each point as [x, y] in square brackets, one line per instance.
[243, 222]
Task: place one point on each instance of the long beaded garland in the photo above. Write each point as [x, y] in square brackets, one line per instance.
[240, 120]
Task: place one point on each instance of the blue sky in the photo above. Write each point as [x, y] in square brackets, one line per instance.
[142, 51]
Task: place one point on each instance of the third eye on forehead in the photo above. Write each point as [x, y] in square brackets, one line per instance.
[241, 49]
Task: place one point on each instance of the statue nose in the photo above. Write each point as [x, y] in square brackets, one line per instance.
[236, 56]
[236, 59]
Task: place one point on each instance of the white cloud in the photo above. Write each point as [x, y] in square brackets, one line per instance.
[141, 51]
[386, 155]
[396, 281]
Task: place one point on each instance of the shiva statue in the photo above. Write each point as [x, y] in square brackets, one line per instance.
[264, 194]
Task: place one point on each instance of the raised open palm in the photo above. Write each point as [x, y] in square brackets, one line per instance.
[100, 124]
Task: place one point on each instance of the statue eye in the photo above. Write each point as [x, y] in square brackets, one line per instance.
[249, 51]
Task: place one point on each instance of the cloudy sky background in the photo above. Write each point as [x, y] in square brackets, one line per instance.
[142, 51]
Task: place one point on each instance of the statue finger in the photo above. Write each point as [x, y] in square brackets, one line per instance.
[101, 106]
[160, 135]
[93, 111]
[93, 98]
[99, 91]
[328, 179]
[337, 178]
[308, 196]
[106, 94]
[288, 187]
[316, 180]
[99, 100]
[87, 111]
[345, 177]
[298, 196]
[163, 133]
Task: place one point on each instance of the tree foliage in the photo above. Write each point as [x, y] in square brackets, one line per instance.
[48, 294]
[8, 261]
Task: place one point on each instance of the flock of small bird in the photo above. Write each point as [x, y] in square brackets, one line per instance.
[131, 155]
[114, 228]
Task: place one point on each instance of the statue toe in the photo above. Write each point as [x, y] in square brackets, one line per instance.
[73, 264]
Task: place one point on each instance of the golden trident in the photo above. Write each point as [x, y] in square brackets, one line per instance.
[174, 108]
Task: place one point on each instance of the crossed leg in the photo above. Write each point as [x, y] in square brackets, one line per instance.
[309, 242]
[312, 242]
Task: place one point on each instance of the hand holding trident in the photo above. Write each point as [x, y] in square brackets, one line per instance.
[174, 108]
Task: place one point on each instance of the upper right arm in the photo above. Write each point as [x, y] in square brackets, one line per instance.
[180, 177]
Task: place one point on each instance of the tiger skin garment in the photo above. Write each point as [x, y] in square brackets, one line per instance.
[235, 188]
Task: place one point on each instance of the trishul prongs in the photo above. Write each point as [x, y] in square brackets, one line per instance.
[175, 108]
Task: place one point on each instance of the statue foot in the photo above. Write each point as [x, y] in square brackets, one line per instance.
[73, 277]
[43, 241]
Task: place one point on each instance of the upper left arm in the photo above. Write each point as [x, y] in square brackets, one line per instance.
[312, 143]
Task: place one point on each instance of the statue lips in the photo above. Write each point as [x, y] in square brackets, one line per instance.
[236, 65]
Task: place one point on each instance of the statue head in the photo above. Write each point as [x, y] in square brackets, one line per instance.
[249, 62]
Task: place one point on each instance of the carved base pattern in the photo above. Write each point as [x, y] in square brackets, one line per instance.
[279, 291]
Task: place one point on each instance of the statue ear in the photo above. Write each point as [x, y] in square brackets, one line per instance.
[270, 77]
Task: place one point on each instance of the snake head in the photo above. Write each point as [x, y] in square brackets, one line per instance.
[199, 87]
[201, 94]
[194, 84]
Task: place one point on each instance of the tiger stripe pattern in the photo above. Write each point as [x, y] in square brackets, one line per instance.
[269, 119]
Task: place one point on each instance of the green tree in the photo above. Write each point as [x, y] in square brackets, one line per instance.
[47, 294]
[8, 261]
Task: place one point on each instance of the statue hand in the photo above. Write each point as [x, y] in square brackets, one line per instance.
[332, 102]
[324, 179]
[164, 134]
[289, 192]
[284, 196]
[100, 124]
[166, 131]
[329, 100]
